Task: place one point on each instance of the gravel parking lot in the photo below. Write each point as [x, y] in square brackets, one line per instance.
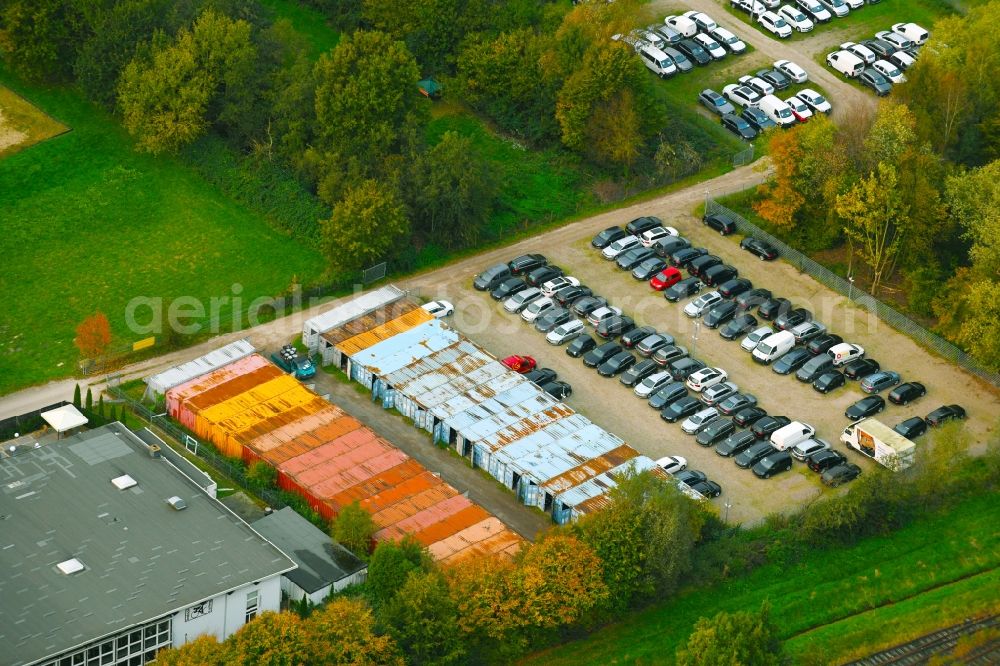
[614, 406]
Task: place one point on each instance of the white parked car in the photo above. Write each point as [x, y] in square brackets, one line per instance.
[911, 31]
[439, 309]
[800, 109]
[612, 251]
[777, 110]
[795, 18]
[706, 377]
[565, 332]
[742, 96]
[536, 309]
[649, 238]
[838, 8]
[775, 25]
[860, 50]
[702, 304]
[814, 100]
[652, 384]
[672, 464]
[755, 336]
[889, 71]
[683, 25]
[845, 352]
[846, 63]
[699, 420]
[713, 47]
[728, 40]
[791, 70]
[652, 39]
[758, 84]
[855, 4]
[702, 20]
[903, 59]
[816, 11]
[552, 286]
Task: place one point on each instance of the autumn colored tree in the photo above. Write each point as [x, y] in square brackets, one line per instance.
[354, 528]
[615, 130]
[93, 335]
[202, 651]
[368, 225]
[421, 617]
[891, 136]
[489, 608]
[278, 639]
[560, 581]
[780, 198]
[733, 639]
[343, 632]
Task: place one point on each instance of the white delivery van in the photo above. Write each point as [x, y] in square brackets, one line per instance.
[845, 353]
[794, 433]
[879, 442]
[777, 110]
[911, 31]
[683, 25]
[773, 347]
[657, 61]
[846, 63]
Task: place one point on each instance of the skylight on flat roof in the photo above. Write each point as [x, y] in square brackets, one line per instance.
[123, 482]
[70, 566]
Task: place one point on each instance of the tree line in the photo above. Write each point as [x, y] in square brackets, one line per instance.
[911, 190]
[350, 125]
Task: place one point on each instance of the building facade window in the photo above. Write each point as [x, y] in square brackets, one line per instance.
[252, 604]
[135, 647]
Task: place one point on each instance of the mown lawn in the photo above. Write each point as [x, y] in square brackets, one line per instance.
[88, 224]
[30, 124]
[905, 576]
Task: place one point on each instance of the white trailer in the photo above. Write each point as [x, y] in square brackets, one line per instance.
[879, 442]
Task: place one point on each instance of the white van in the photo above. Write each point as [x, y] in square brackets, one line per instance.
[846, 63]
[683, 25]
[912, 32]
[657, 61]
[794, 433]
[777, 110]
[845, 352]
[773, 347]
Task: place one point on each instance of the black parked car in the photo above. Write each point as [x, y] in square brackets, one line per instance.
[751, 455]
[737, 442]
[738, 126]
[558, 390]
[641, 224]
[668, 394]
[715, 432]
[792, 318]
[774, 307]
[693, 51]
[717, 275]
[761, 249]
[753, 298]
[735, 287]
[758, 120]
[508, 288]
[588, 304]
[552, 318]
[739, 326]
[686, 287]
[526, 262]
[580, 345]
[813, 368]
[638, 372]
[775, 78]
[945, 413]
[912, 427]
[861, 368]
[737, 402]
[720, 314]
[825, 459]
[648, 268]
[906, 393]
[568, 295]
[865, 407]
[682, 258]
[873, 79]
[541, 375]
[636, 335]
[747, 416]
[629, 259]
[607, 237]
[820, 344]
[669, 354]
[792, 360]
[683, 368]
[491, 277]
[840, 474]
[652, 343]
[763, 428]
[616, 365]
[698, 266]
[723, 225]
[706, 488]
[882, 48]
[667, 246]
[680, 409]
[538, 276]
[600, 354]
[614, 326]
[773, 463]
[828, 381]
[690, 476]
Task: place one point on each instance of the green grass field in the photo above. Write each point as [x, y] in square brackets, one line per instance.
[89, 224]
[310, 23]
[827, 603]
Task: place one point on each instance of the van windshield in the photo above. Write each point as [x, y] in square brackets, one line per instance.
[765, 349]
[784, 113]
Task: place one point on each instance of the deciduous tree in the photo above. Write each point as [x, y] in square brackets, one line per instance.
[780, 198]
[559, 579]
[421, 618]
[368, 225]
[343, 632]
[733, 639]
[354, 528]
[892, 134]
[278, 639]
[40, 38]
[202, 651]
[391, 564]
[93, 335]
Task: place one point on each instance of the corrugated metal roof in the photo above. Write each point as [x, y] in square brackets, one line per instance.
[354, 308]
[448, 374]
[524, 427]
[462, 384]
[477, 394]
[369, 321]
[194, 388]
[401, 350]
[599, 485]
[555, 450]
[387, 330]
[467, 421]
[162, 382]
[460, 349]
[589, 469]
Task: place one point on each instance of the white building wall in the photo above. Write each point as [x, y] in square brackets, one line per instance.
[228, 613]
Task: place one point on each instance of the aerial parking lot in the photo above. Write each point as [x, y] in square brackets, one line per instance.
[616, 407]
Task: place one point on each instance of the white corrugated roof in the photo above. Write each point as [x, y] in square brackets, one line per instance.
[354, 308]
[213, 360]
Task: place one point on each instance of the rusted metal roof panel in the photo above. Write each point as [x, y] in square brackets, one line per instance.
[213, 360]
[589, 469]
[411, 319]
[369, 321]
[590, 495]
[354, 308]
[501, 382]
[472, 423]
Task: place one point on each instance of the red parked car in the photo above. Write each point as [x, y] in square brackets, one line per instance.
[668, 277]
[521, 364]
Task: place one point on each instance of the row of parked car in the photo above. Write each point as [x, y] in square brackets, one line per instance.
[681, 42]
[800, 16]
[879, 63]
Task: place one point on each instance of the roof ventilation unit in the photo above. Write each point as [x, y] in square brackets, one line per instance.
[70, 566]
[177, 503]
[123, 482]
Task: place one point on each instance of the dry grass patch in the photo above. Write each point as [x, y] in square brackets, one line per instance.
[22, 125]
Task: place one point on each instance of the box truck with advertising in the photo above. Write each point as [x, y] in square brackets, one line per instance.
[879, 442]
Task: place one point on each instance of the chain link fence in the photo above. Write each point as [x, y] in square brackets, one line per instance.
[830, 279]
[745, 156]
